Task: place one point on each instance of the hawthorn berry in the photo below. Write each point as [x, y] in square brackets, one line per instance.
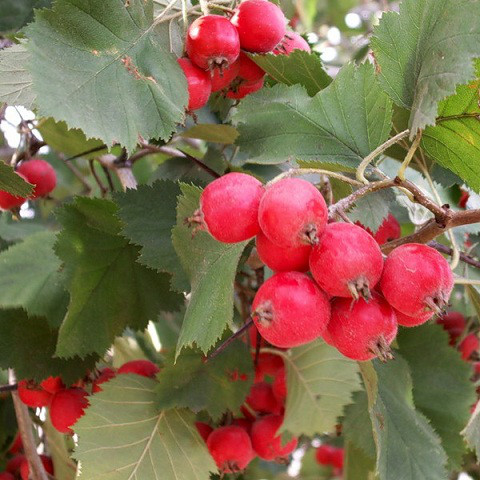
[416, 279]
[407, 321]
[255, 337]
[145, 368]
[66, 407]
[290, 310]
[32, 395]
[337, 458]
[469, 345]
[229, 207]
[363, 330]
[25, 468]
[290, 42]
[241, 90]
[260, 25]
[462, 203]
[199, 84]
[204, 430]
[222, 79]
[52, 384]
[268, 364]
[17, 445]
[262, 400]
[243, 423]
[6, 476]
[293, 213]
[347, 262]
[9, 201]
[13, 465]
[231, 448]
[41, 174]
[266, 443]
[248, 70]
[324, 454]
[106, 374]
[389, 230]
[279, 386]
[454, 323]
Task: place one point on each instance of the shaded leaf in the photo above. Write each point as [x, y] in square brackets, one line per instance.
[358, 466]
[13, 183]
[215, 133]
[371, 210]
[14, 14]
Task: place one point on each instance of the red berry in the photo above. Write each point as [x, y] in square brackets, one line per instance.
[454, 323]
[8, 201]
[362, 331]
[13, 465]
[199, 84]
[204, 430]
[243, 423]
[416, 279]
[469, 345]
[67, 407]
[407, 321]
[223, 78]
[6, 476]
[293, 213]
[282, 259]
[106, 374]
[231, 448]
[41, 174]
[229, 207]
[52, 384]
[337, 458]
[237, 92]
[253, 336]
[262, 400]
[25, 468]
[260, 24]
[290, 310]
[212, 42]
[292, 41]
[145, 368]
[32, 395]
[16, 445]
[324, 454]
[476, 368]
[266, 443]
[462, 203]
[268, 364]
[389, 230]
[248, 70]
[279, 386]
[347, 262]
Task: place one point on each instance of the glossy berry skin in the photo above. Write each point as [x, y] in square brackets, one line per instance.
[41, 174]
[292, 41]
[106, 374]
[9, 201]
[261, 25]
[454, 323]
[231, 448]
[362, 331]
[468, 346]
[266, 443]
[144, 368]
[52, 384]
[33, 395]
[6, 476]
[229, 206]
[324, 454]
[290, 310]
[204, 430]
[282, 259]
[199, 84]
[222, 79]
[25, 468]
[268, 365]
[262, 400]
[416, 279]
[248, 70]
[293, 213]
[212, 42]
[348, 262]
[67, 407]
[279, 386]
[406, 321]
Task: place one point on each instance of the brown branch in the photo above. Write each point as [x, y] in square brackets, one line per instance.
[8, 388]
[449, 251]
[229, 340]
[121, 168]
[99, 182]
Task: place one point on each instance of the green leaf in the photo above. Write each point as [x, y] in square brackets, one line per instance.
[30, 278]
[117, 79]
[372, 209]
[14, 231]
[357, 465]
[424, 52]
[472, 430]
[27, 344]
[14, 14]
[474, 296]
[225, 134]
[299, 67]
[108, 289]
[283, 123]
[407, 446]
[320, 382]
[211, 267]
[124, 426]
[216, 386]
[442, 389]
[13, 183]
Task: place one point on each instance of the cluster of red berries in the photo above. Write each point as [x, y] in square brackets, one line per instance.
[37, 172]
[330, 456]
[353, 298]
[215, 47]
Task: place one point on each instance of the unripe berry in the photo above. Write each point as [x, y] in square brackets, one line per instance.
[416, 279]
[293, 213]
[231, 448]
[262, 400]
[222, 79]
[347, 262]
[454, 323]
[41, 174]
[6, 476]
[292, 41]
[67, 407]
[290, 310]
[248, 70]
[229, 207]
[468, 346]
[266, 443]
[241, 90]
[106, 374]
[9, 201]
[212, 42]
[52, 384]
[145, 368]
[198, 82]
[260, 24]
[268, 364]
[279, 386]
[33, 395]
[407, 321]
[46, 462]
[362, 331]
[204, 430]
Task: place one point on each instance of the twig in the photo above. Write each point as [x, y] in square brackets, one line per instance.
[466, 281]
[229, 340]
[204, 7]
[100, 184]
[109, 178]
[296, 172]
[8, 388]
[213, 173]
[409, 156]
[449, 251]
[82, 154]
[77, 173]
[121, 169]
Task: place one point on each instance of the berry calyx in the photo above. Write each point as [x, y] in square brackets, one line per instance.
[293, 213]
[363, 330]
[25, 468]
[407, 321]
[242, 89]
[199, 84]
[290, 310]
[222, 79]
[9, 201]
[347, 262]
[260, 24]
[41, 174]
[204, 430]
[212, 42]
[290, 42]
[144, 368]
[229, 207]
[454, 323]
[106, 374]
[66, 407]
[32, 395]
[416, 279]
[266, 443]
[231, 448]
[262, 400]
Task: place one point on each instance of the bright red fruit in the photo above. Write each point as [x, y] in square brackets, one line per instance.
[67, 407]
[204, 430]
[293, 213]
[8, 201]
[253, 337]
[266, 443]
[212, 42]
[106, 374]
[262, 400]
[231, 448]
[279, 386]
[324, 454]
[13, 465]
[260, 24]
[237, 92]
[229, 207]
[363, 330]
[32, 395]
[145, 368]
[222, 79]
[407, 321]
[469, 345]
[416, 279]
[348, 262]
[41, 174]
[462, 203]
[248, 70]
[6, 476]
[16, 445]
[52, 384]
[454, 323]
[292, 41]
[199, 84]
[389, 230]
[25, 468]
[243, 423]
[290, 310]
[268, 364]
[337, 458]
